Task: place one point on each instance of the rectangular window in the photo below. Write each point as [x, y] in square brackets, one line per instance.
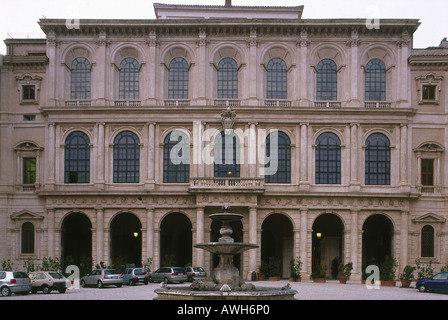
[29, 117]
[28, 93]
[29, 170]
[427, 172]
[429, 92]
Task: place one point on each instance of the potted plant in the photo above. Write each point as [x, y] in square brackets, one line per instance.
[263, 270]
[274, 269]
[387, 272]
[296, 268]
[345, 270]
[319, 273]
[407, 276]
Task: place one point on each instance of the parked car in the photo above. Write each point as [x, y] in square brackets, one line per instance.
[438, 282]
[47, 281]
[135, 275]
[169, 274]
[14, 282]
[102, 277]
[194, 273]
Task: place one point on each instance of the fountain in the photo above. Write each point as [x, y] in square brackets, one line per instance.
[226, 283]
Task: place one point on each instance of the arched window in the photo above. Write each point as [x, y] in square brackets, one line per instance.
[126, 158]
[327, 80]
[80, 79]
[77, 158]
[377, 159]
[178, 79]
[27, 242]
[227, 79]
[276, 79]
[328, 159]
[129, 79]
[278, 158]
[176, 158]
[427, 241]
[227, 155]
[375, 80]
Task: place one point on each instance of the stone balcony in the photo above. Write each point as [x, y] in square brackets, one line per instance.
[227, 184]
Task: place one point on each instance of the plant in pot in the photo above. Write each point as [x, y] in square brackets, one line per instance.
[275, 270]
[345, 270]
[319, 273]
[407, 276]
[387, 272]
[263, 270]
[296, 268]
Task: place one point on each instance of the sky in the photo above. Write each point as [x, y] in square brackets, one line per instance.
[18, 18]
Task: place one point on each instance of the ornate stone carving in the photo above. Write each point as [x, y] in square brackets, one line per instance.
[228, 119]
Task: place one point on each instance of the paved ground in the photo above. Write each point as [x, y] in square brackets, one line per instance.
[307, 290]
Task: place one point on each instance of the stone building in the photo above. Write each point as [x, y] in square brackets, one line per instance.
[120, 137]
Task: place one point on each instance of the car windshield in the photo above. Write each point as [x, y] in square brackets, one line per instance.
[111, 271]
[178, 270]
[56, 275]
[139, 271]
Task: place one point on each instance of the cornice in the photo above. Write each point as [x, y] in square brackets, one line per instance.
[58, 27]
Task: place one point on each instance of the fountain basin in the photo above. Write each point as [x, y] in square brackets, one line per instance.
[232, 248]
[184, 293]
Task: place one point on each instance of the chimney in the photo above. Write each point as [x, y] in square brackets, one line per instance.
[228, 3]
[444, 43]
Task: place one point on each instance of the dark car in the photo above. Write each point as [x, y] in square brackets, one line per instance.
[168, 275]
[438, 282]
[133, 275]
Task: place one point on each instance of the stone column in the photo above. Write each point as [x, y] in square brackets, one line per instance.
[354, 241]
[252, 239]
[51, 233]
[303, 239]
[202, 51]
[354, 154]
[403, 155]
[404, 232]
[252, 156]
[152, 59]
[353, 43]
[303, 43]
[51, 153]
[51, 54]
[151, 153]
[100, 151]
[99, 235]
[253, 43]
[150, 233]
[304, 179]
[200, 235]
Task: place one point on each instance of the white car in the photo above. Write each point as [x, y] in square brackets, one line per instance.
[46, 281]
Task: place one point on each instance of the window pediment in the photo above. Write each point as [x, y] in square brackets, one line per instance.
[429, 218]
[429, 147]
[26, 215]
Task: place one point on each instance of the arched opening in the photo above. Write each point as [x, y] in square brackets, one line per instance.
[328, 243]
[277, 241]
[376, 240]
[126, 240]
[175, 240]
[76, 241]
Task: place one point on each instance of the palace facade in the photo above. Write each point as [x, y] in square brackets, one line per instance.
[118, 138]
